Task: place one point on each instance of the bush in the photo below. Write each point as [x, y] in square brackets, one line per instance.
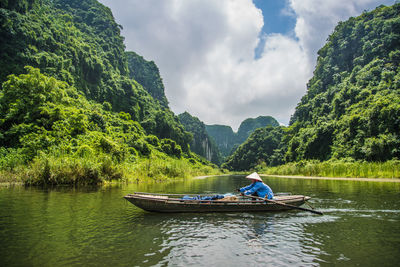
[170, 147]
[11, 158]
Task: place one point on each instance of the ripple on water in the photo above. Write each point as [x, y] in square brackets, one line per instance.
[244, 239]
[83, 228]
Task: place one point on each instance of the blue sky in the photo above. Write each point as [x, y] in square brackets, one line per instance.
[227, 60]
[277, 19]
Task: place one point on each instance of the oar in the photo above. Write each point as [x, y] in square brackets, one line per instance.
[284, 204]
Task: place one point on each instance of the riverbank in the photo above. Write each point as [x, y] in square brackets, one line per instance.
[346, 168]
[393, 180]
[206, 176]
[68, 170]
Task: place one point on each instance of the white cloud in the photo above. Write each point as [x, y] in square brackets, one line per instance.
[316, 19]
[205, 52]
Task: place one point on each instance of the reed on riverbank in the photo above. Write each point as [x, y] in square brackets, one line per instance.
[337, 168]
[85, 169]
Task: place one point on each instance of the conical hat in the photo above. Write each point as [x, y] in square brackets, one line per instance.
[254, 176]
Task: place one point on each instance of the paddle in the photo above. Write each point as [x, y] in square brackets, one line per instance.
[284, 204]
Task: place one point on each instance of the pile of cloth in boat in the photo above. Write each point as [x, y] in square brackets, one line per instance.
[214, 197]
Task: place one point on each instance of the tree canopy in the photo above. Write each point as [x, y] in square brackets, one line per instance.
[351, 108]
[79, 42]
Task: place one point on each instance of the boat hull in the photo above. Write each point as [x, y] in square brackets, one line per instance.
[157, 204]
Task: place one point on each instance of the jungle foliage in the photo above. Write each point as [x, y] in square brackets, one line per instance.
[78, 41]
[147, 74]
[264, 147]
[69, 98]
[65, 138]
[352, 106]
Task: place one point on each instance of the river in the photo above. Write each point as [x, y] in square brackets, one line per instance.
[95, 226]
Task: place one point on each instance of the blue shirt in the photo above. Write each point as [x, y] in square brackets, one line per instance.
[258, 187]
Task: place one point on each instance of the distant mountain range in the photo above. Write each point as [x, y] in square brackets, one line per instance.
[227, 140]
[216, 142]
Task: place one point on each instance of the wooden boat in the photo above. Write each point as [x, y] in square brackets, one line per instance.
[174, 203]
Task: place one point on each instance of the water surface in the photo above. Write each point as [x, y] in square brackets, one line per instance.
[96, 227]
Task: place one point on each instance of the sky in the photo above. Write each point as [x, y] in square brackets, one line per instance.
[227, 60]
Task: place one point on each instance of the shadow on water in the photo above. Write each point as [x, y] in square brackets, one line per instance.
[95, 226]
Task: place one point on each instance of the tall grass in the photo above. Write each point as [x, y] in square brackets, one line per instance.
[58, 168]
[338, 168]
[165, 168]
[11, 163]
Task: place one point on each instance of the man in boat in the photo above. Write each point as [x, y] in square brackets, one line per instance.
[257, 187]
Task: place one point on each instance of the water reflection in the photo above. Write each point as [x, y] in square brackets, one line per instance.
[96, 226]
[219, 238]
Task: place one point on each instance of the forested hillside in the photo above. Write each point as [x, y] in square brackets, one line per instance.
[248, 126]
[224, 137]
[201, 144]
[227, 140]
[80, 43]
[147, 74]
[352, 106]
[80, 99]
[264, 147]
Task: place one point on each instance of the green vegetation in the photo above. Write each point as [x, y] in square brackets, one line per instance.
[79, 42]
[224, 137]
[337, 168]
[76, 108]
[351, 109]
[201, 144]
[248, 126]
[51, 134]
[73, 170]
[352, 105]
[263, 147]
[147, 74]
[71, 111]
[228, 141]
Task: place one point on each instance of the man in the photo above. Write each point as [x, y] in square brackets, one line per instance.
[257, 187]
